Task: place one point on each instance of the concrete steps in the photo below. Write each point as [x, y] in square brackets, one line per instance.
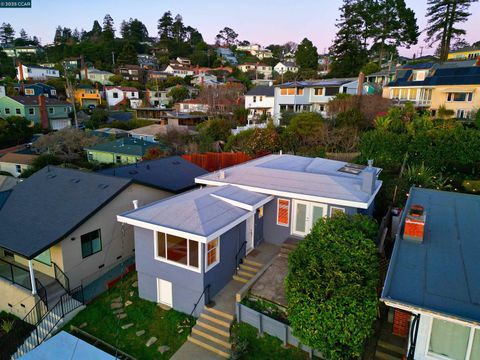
[248, 269]
[389, 348]
[212, 332]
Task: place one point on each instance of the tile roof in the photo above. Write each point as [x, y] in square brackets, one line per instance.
[28, 230]
[124, 146]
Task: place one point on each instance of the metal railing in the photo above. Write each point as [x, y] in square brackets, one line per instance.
[15, 274]
[237, 263]
[61, 277]
[206, 292]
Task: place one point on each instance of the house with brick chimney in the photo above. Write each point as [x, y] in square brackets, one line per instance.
[50, 113]
[96, 75]
[432, 284]
[34, 72]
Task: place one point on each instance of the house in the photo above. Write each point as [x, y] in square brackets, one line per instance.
[150, 132]
[110, 133]
[48, 112]
[259, 69]
[16, 51]
[132, 73]
[192, 105]
[95, 75]
[227, 55]
[432, 280]
[179, 70]
[382, 77]
[283, 66]
[183, 61]
[173, 174]
[87, 95]
[259, 101]
[156, 75]
[432, 86]
[256, 50]
[466, 53]
[120, 151]
[72, 63]
[39, 89]
[15, 163]
[147, 62]
[32, 72]
[170, 117]
[77, 242]
[205, 79]
[122, 95]
[191, 245]
[158, 98]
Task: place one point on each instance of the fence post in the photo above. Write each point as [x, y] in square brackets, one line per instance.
[61, 303]
[285, 341]
[260, 323]
[238, 312]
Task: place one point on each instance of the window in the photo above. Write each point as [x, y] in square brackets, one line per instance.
[254, 99]
[459, 96]
[318, 91]
[449, 339]
[413, 94]
[115, 95]
[31, 111]
[336, 210]
[177, 250]
[403, 94]
[291, 91]
[45, 257]
[299, 91]
[260, 212]
[261, 98]
[29, 92]
[18, 168]
[395, 93]
[118, 159]
[283, 91]
[283, 212]
[91, 243]
[54, 92]
[212, 253]
[51, 110]
[7, 111]
[64, 109]
[18, 111]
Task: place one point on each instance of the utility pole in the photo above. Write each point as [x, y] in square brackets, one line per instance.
[113, 57]
[70, 94]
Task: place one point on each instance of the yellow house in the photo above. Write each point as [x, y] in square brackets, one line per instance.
[86, 95]
[464, 54]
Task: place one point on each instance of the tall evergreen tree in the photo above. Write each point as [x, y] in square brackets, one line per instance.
[7, 33]
[108, 30]
[178, 29]
[134, 31]
[164, 27]
[348, 50]
[307, 55]
[443, 18]
[23, 35]
[128, 55]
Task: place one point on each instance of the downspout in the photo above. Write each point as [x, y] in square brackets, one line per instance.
[413, 337]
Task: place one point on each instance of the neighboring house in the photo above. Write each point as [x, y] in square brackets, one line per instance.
[32, 72]
[156, 75]
[2, 91]
[76, 242]
[6, 183]
[132, 73]
[189, 244]
[16, 51]
[173, 174]
[147, 62]
[256, 50]
[180, 71]
[466, 53]
[72, 63]
[86, 95]
[456, 88]
[283, 66]
[432, 280]
[118, 95]
[95, 75]
[183, 61]
[16, 163]
[110, 133]
[48, 112]
[150, 132]
[382, 77]
[205, 79]
[192, 105]
[170, 117]
[39, 89]
[260, 69]
[158, 98]
[120, 151]
[227, 55]
[260, 101]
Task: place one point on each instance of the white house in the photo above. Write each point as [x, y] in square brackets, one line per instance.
[158, 98]
[180, 71]
[283, 66]
[2, 91]
[31, 72]
[261, 69]
[95, 75]
[259, 101]
[204, 79]
[117, 95]
[256, 50]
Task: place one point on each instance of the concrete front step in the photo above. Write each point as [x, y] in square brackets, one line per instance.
[392, 347]
[248, 268]
[216, 320]
[209, 345]
[381, 355]
[249, 262]
[245, 274]
[212, 336]
[211, 326]
[241, 279]
[220, 313]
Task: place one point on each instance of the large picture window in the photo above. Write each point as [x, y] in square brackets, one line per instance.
[91, 243]
[177, 250]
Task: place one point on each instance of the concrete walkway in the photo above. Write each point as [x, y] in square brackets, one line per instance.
[189, 351]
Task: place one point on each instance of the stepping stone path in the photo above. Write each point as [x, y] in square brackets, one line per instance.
[126, 326]
[119, 311]
[116, 305]
[162, 349]
[151, 341]
[82, 325]
[118, 299]
[121, 316]
[128, 303]
[135, 284]
[131, 293]
[140, 333]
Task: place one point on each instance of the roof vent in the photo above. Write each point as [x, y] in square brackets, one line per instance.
[176, 162]
[75, 181]
[51, 176]
[415, 220]
[102, 186]
[133, 172]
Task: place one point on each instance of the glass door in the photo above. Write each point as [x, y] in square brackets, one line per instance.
[305, 215]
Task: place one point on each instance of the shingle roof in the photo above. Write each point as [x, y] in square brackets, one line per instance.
[440, 274]
[124, 146]
[173, 174]
[262, 90]
[33, 101]
[49, 205]
[16, 158]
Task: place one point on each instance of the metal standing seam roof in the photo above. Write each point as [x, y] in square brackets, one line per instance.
[442, 273]
[124, 146]
[313, 177]
[197, 212]
[173, 173]
[43, 209]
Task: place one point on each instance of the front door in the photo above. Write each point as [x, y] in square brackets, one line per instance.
[164, 292]
[250, 234]
[305, 215]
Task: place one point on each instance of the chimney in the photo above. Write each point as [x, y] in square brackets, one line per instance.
[414, 228]
[43, 112]
[135, 204]
[477, 63]
[361, 81]
[369, 178]
[85, 70]
[20, 71]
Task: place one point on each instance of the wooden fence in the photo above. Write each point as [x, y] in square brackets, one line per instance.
[212, 161]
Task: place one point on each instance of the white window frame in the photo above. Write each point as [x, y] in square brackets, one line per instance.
[335, 208]
[289, 210]
[217, 261]
[29, 92]
[165, 260]
[309, 212]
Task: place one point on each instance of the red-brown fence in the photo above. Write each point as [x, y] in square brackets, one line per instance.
[212, 161]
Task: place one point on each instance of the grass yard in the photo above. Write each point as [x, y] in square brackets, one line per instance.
[248, 345]
[170, 327]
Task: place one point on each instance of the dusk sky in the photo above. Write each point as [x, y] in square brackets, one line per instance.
[265, 22]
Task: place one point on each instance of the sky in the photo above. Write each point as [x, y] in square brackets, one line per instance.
[258, 21]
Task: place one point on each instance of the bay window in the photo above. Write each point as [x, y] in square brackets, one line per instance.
[177, 250]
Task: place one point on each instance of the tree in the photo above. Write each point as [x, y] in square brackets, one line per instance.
[128, 55]
[178, 93]
[15, 130]
[443, 18]
[178, 29]
[164, 27]
[39, 163]
[23, 34]
[108, 31]
[175, 139]
[304, 134]
[7, 33]
[255, 142]
[331, 286]
[307, 55]
[226, 37]
[370, 68]
[215, 129]
[134, 31]
[96, 31]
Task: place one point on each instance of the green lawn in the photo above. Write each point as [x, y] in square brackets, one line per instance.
[169, 327]
[266, 347]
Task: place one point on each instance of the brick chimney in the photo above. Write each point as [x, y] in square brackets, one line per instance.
[477, 63]
[85, 70]
[361, 81]
[20, 71]
[43, 112]
[414, 228]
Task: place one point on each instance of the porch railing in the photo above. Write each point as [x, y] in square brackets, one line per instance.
[237, 255]
[61, 277]
[206, 292]
[15, 274]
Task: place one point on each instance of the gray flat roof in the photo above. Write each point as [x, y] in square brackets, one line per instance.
[198, 212]
[442, 273]
[315, 178]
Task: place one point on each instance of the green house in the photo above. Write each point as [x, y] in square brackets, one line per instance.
[48, 112]
[120, 151]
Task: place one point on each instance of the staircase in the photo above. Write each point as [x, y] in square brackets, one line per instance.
[247, 270]
[288, 246]
[389, 346]
[212, 332]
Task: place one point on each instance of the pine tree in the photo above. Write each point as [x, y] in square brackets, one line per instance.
[348, 50]
[178, 29]
[57, 39]
[108, 31]
[6, 33]
[165, 26]
[306, 56]
[443, 17]
[128, 55]
[23, 35]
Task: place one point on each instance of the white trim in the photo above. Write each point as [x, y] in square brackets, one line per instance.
[286, 194]
[289, 209]
[166, 261]
[250, 238]
[223, 230]
[308, 215]
[243, 205]
[335, 208]
[211, 266]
